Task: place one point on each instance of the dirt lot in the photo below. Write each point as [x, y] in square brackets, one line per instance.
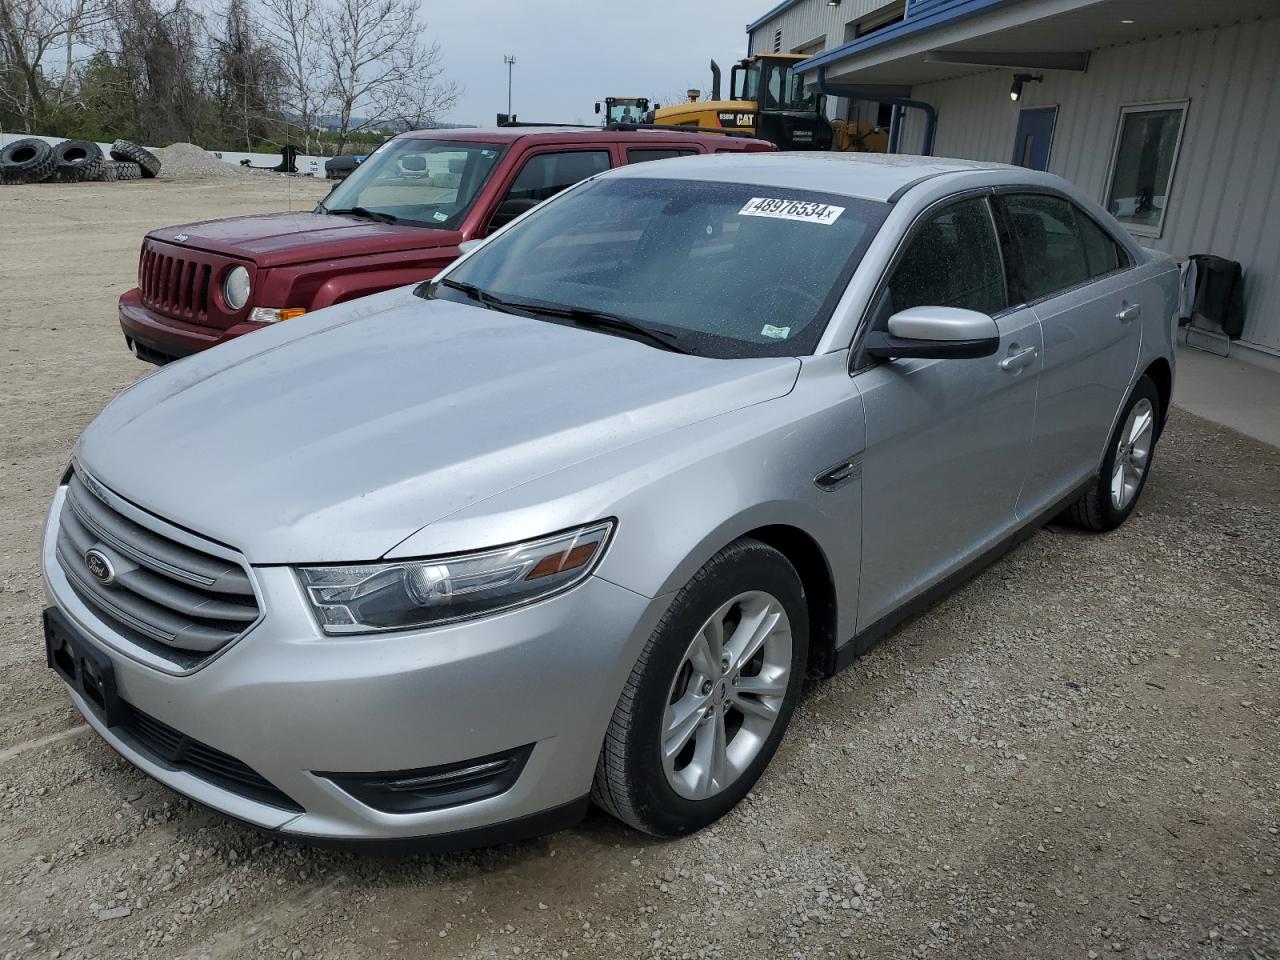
[1075, 754]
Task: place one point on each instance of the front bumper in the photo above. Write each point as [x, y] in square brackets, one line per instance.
[159, 339]
[288, 701]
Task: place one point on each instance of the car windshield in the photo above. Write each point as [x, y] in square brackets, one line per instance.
[427, 183]
[728, 270]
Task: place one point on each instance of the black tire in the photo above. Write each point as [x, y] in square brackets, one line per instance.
[27, 161]
[125, 170]
[1096, 510]
[148, 163]
[630, 782]
[79, 160]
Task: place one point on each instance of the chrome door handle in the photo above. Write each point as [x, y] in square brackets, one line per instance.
[1016, 361]
[1130, 312]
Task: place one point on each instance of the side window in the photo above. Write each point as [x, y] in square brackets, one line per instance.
[1057, 245]
[1101, 253]
[645, 154]
[543, 176]
[953, 260]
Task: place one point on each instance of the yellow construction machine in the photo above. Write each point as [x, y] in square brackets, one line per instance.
[769, 100]
[623, 109]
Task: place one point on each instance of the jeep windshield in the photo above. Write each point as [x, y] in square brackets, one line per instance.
[717, 269]
[422, 183]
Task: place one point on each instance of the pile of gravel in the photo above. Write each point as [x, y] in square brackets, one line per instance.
[186, 160]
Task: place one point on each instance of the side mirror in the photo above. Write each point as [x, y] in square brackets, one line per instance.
[466, 246]
[935, 333]
[597, 106]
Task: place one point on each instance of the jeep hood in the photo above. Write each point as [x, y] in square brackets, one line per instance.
[273, 239]
[334, 437]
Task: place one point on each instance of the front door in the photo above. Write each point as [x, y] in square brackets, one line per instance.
[1034, 137]
[947, 440]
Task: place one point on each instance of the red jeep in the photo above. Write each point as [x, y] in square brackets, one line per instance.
[397, 219]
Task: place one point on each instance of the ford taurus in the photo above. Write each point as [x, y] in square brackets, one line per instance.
[573, 521]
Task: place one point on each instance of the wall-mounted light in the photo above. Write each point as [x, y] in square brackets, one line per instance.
[833, 3]
[1015, 91]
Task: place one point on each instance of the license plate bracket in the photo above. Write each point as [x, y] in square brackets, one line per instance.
[84, 667]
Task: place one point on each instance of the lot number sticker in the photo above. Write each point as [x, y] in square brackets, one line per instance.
[801, 210]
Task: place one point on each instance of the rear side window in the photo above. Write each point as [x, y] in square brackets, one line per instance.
[953, 260]
[1101, 253]
[1057, 244]
[645, 154]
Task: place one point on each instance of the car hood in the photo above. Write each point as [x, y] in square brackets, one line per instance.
[272, 239]
[335, 436]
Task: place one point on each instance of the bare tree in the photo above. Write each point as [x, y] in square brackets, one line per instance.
[30, 32]
[377, 58]
[293, 28]
[248, 76]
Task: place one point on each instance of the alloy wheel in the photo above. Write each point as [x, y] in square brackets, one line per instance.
[1133, 453]
[726, 695]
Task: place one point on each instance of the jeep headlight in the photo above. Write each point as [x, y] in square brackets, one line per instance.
[235, 288]
[404, 594]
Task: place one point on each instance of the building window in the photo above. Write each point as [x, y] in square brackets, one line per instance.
[1146, 153]
[777, 40]
[881, 19]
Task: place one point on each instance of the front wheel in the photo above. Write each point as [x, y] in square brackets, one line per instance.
[1115, 490]
[710, 696]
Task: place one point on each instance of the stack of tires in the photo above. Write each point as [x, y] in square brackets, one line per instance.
[32, 160]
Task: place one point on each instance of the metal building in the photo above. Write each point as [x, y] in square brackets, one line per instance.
[1167, 111]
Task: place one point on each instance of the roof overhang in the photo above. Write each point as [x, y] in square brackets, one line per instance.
[940, 40]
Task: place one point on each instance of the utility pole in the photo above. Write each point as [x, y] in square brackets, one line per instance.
[510, 62]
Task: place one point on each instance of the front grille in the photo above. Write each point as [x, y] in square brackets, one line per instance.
[176, 602]
[175, 285]
[180, 752]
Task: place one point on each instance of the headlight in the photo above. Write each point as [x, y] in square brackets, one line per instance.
[401, 595]
[235, 289]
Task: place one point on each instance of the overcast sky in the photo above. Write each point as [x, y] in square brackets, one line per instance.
[570, 53]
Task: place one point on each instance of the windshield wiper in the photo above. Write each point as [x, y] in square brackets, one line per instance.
[490, 300]
[594, 319]
[579, 316]
[367, 214]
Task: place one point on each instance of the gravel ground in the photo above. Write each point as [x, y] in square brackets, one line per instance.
[1074, 756]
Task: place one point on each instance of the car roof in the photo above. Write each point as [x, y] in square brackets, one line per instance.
[869, 176]
[568, 134]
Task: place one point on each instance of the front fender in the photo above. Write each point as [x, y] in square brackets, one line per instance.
[681, 497]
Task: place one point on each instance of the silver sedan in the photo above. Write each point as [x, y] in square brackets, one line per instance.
[574, 520]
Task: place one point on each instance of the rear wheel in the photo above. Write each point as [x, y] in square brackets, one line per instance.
[1115, 491]
[710, 697]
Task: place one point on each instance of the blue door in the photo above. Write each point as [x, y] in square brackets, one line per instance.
[1034, 137]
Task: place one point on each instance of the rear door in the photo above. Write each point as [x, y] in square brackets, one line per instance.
[1078, 281]
[947, 440]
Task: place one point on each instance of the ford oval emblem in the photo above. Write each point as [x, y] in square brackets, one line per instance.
[99, 566]
[180, 237]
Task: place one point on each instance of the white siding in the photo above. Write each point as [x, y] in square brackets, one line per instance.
[1226, 190]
